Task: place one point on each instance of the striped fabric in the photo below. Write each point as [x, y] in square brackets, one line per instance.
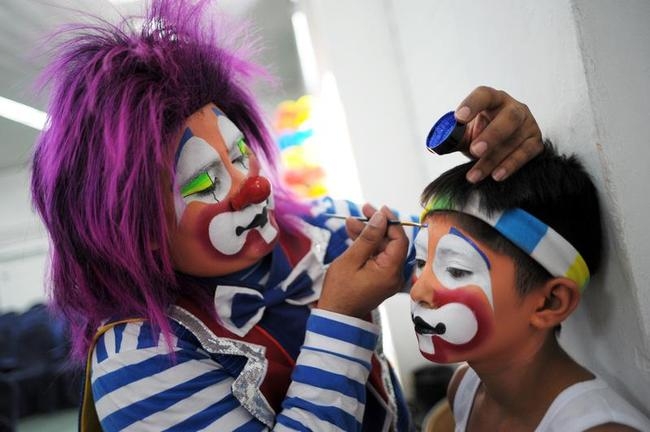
[138, 386]
[340, 240]
[545, 245]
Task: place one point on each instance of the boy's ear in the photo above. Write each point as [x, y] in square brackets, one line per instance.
[556, 300]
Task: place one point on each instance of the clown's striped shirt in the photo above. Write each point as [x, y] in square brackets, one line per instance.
[138, 386]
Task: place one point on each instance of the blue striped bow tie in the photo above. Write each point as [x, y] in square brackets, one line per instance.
[240, 308]
[241, 299]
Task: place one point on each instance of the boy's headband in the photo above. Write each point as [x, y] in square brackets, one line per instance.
[540, 241]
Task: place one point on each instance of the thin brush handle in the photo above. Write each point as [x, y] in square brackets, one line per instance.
[365, 219]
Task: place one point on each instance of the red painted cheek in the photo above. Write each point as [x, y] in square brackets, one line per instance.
[201, 230]
[479, 305]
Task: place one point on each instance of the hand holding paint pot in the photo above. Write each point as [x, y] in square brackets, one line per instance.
[493, 127]
[371, 270]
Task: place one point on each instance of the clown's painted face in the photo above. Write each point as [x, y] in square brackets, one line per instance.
[465, 297]
[224, 208]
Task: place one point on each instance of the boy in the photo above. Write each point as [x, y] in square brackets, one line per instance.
[506, 265]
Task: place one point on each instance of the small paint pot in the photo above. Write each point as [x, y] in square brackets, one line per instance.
[445, 135]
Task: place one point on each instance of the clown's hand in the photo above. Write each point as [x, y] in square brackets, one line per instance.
[370, 271]
[501, 133]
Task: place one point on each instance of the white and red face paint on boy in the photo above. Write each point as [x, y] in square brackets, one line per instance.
[223, 206]
[452, 301]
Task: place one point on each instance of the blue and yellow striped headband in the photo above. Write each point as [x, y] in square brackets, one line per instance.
[540, 241]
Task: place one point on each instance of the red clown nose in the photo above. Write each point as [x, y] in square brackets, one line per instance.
[254, 190]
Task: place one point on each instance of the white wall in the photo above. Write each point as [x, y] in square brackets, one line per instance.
[612, 330]
[581, 66]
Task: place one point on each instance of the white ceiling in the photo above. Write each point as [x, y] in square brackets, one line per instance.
[24, 25]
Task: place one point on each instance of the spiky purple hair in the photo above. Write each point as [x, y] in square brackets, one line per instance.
[103, 167]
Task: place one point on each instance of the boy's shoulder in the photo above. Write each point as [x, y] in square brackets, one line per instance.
[590, 405]
[593, 405]
[612, 427]
[456, 378]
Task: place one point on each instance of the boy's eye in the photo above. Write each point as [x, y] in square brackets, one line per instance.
[458, 273]
[202, 183]
[419, 267]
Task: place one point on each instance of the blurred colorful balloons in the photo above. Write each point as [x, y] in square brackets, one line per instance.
[294, 131]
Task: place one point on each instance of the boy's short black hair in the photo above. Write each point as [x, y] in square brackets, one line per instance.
[554, 188]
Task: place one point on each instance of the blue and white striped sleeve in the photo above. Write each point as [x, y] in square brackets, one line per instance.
[328, 389]
[137, 385]
[340, 241]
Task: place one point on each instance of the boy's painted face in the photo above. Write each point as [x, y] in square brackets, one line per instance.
[461, 294]
[223, 207]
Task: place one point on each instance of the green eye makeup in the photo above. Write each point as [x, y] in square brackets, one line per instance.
[201, 183]
[241, 145]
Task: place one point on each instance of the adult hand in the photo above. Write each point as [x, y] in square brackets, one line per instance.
[370, 270]
[501, 133]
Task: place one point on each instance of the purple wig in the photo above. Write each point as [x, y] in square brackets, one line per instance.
[103, 167]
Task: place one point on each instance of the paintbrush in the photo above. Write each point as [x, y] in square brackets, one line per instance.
[390, 222]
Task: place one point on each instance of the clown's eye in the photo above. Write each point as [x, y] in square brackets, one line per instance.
[200, 185]
[242, 146]
[458, 273]
[242, 153]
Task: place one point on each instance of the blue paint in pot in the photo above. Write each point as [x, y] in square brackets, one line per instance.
[445, 135]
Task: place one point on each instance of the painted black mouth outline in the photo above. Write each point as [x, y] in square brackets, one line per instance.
[259, 220]
[422, 327]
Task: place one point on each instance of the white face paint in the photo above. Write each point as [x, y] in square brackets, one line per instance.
[226, 239]
[460, 324]
[458, 263]
[200, 161]
[202, 176]
[199, 158]
[421, 244]
[230, 133]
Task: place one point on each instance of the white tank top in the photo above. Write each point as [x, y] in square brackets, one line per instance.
[579, 407]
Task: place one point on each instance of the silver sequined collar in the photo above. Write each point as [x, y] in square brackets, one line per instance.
[245, 387]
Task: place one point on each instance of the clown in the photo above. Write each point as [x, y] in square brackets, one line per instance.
[187, 273]
[192, 281]
[223, 206]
